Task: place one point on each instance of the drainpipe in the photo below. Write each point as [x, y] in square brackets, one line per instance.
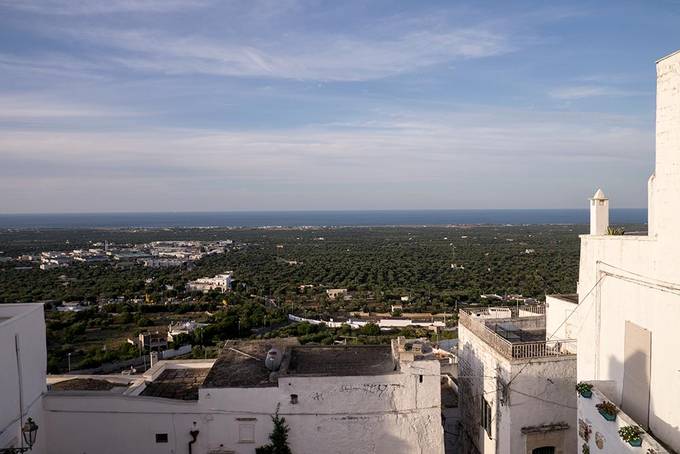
[194, 436]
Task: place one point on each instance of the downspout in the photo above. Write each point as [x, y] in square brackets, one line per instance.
[194, 436]
[21, 386]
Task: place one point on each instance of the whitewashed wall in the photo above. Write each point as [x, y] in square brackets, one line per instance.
[639, 277]
[603, 436]
[27, 321]
[550, 380]
[372, 414]
[543, 393]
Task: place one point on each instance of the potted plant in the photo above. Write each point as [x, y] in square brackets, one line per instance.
[584, 389]
[631, 434]
[608, 410]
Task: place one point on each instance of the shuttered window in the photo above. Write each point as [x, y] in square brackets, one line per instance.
[486, 417]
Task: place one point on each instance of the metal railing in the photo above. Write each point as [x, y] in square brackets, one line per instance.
[562, 347]
[516, 350]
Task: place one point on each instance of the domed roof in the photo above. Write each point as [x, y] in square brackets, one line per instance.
[599, 195]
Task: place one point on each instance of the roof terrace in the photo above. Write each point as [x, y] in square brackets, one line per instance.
[242, 363]
[515, 333]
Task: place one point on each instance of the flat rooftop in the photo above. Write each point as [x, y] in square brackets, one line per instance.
[179, 384]
[85, 384]
[241, 364]
[571, 297]
[341, 360]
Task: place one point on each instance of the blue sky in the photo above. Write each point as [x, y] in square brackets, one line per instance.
[174, 105]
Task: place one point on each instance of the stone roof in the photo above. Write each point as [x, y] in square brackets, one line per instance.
[179, 384]
[340, 360]
[241, 364]
[85, 384]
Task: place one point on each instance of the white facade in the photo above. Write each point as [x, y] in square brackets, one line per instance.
[354, 415]
[394, 407]
[221, 282]
[387, 413]
[515, 396]
[334, 293]
[383, 323]
[628, 310]
[23, 360]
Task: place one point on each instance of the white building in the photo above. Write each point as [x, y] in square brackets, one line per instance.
[627, 313]
[335, 399]
[335, 293]
[516, 385]
[183, 327]
[72, 306]
[162, 262]
[23, 361]
[221, 282]
[383, 323]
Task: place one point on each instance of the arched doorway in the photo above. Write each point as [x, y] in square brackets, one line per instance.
[544, 450]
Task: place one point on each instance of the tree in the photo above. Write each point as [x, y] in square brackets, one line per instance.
[370, 329]
[278, 438]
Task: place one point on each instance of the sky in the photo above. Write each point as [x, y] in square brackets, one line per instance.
[220, 105]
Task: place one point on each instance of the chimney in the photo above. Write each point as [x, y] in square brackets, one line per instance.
[153, 359]
[599, 213]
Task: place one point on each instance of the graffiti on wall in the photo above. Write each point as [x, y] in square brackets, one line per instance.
[379, 390]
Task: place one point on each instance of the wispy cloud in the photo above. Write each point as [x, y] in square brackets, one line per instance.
[328, 57]
[22, 107]
[482, 139]
[228, 104]
[233, 169]
[590, 91]
[85, 7]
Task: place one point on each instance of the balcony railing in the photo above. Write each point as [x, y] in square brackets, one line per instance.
[537, 349]
[516, 350]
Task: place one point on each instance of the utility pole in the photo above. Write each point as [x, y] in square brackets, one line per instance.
[69, 362]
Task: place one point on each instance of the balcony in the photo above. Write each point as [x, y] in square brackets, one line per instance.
[516, 334]
[597, 432]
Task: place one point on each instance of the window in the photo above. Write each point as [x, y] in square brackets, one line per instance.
[161, 438]
[486, 417]
[246, 433]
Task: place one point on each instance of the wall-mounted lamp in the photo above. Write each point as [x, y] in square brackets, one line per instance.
[28, 433]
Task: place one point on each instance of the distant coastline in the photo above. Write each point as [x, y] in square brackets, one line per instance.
[315, 218]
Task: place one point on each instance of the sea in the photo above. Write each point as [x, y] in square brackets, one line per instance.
[619, 216]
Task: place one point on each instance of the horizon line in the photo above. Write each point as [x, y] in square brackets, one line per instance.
[367, 210]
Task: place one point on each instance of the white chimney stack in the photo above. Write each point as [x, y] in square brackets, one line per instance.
[599, 213]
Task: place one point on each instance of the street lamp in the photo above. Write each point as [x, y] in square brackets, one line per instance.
[28, 432]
